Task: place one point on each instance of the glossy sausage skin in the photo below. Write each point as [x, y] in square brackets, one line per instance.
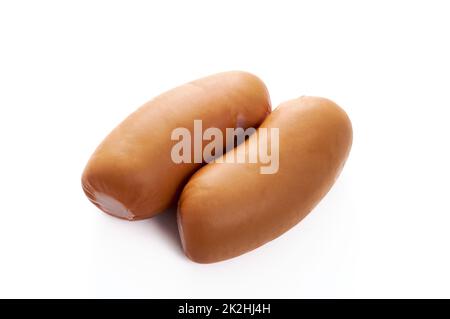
[131, 174]
[228, 209]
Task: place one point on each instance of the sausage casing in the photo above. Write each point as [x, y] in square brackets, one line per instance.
[227, 209]
[131, 174]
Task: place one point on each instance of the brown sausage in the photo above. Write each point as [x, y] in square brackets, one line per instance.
[131, 174]
[227, 209]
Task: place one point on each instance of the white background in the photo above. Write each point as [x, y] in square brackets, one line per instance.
[72, 70]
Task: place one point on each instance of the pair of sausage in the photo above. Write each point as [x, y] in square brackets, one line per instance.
[225, 209]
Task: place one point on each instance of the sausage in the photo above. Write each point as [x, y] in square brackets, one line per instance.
[131, 174]
[227, 209]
